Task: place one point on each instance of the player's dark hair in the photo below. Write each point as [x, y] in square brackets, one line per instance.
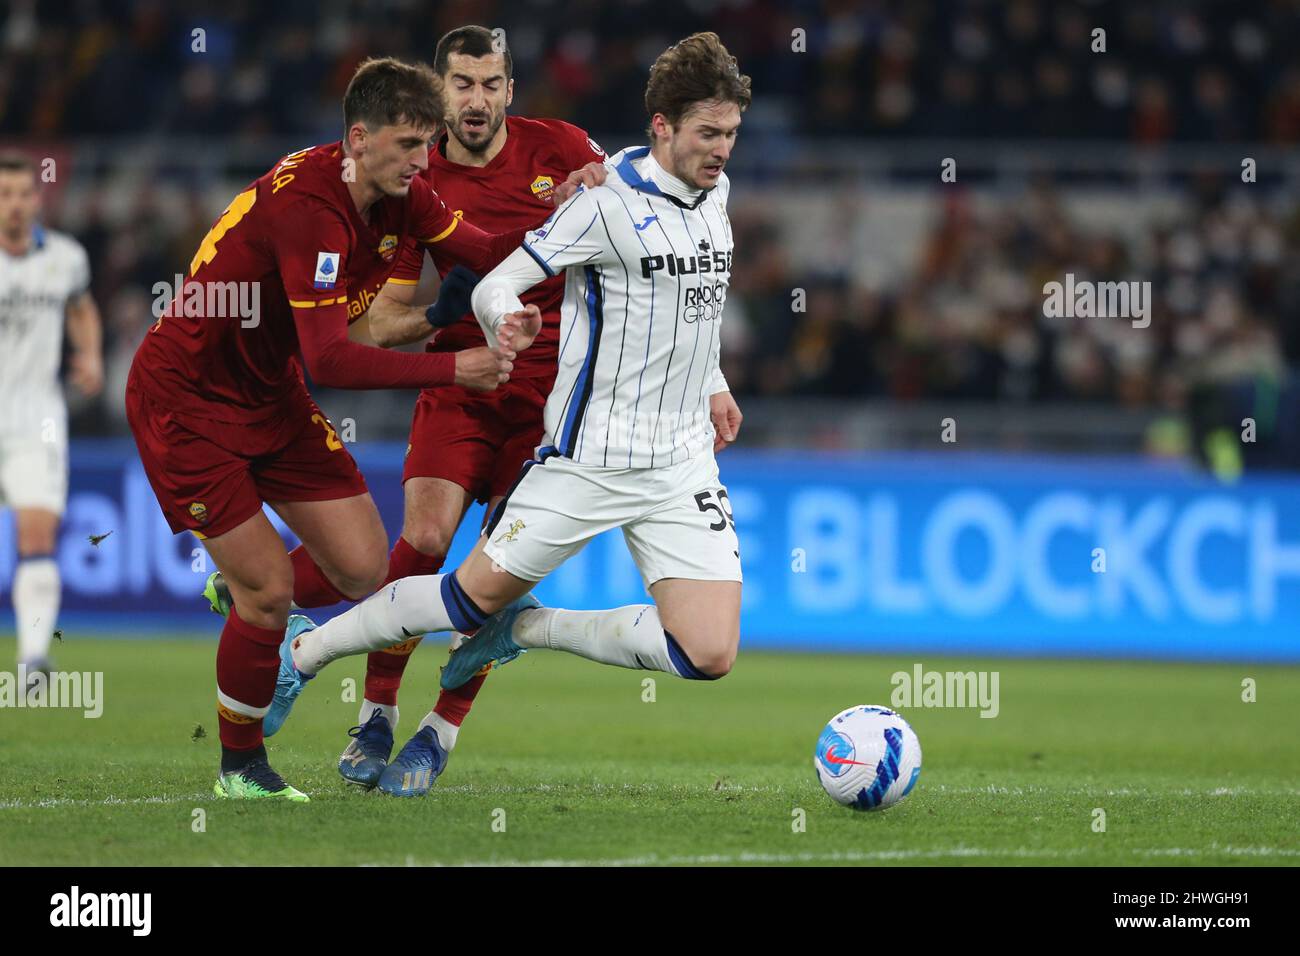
[13, 162]
[386, 92]
[695, 70]
[472, 41]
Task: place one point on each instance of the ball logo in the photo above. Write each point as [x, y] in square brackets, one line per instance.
[835, 753]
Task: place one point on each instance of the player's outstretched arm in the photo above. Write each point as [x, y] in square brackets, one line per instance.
[335, 362]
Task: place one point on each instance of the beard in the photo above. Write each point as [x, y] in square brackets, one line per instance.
[477, 146]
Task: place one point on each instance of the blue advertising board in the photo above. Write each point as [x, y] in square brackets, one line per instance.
[863, 552]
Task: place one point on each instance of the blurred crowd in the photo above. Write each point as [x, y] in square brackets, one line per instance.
[968, 322]
[1170, 70]
[964, 320]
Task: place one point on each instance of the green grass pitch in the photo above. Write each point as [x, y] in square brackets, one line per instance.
[562, 761]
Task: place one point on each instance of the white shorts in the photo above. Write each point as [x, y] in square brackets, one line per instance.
[34, 473]
[676, 520]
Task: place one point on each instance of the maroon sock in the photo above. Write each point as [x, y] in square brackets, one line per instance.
[248, 659]
[453, 705]
[384, 668]
[310, 586]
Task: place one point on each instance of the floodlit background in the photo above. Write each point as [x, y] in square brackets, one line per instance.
[928, 461]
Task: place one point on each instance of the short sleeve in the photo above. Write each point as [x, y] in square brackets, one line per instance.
[312, 255]
[78, 270]
[574, 235]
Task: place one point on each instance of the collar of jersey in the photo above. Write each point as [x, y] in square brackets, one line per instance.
[634, 179]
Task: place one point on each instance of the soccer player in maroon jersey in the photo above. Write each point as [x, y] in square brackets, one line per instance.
[216, 397]
[499, 172]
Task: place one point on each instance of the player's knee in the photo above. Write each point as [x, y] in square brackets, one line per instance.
[715, 663]
[270, 600]
[705, 657]
[428, 539]
[361, 581]
[35, 542]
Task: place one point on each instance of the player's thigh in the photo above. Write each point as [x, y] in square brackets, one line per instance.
[549, 515]
[200, 472]
[252, 559]
[433, 512]
[453, 439]
[344, 536]
[689, 557]
[37, 530]
[703, 617]
[34, 482]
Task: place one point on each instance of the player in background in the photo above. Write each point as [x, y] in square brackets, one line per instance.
[217, 401]
[44, 282]
[637, 413]
[500, 172]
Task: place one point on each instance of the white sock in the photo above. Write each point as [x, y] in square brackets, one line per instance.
[36, 605]
[629, 636]
[398, 612]
[445, 729]
[388, 710]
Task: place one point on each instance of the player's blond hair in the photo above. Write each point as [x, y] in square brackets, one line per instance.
[693, 71]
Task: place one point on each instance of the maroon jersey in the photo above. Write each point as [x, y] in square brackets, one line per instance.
[294, 245]
[513, 191]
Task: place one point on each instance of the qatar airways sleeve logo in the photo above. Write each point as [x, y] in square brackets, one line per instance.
[327, 270]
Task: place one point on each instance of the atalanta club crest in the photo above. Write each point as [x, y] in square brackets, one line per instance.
[543, 187]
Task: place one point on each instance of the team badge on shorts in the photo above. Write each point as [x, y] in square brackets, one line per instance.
[513, 533]
[543, 187]
[199, 512]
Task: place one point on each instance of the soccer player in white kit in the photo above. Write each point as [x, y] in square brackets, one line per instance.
[44, 281]
[637, 413]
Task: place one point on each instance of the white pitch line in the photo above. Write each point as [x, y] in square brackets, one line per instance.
[683, 789]
[873, 856]
[56, 802]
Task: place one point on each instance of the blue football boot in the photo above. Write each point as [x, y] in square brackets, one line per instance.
[290, 681]
[367, 755]
[416, 766]
[491, 643]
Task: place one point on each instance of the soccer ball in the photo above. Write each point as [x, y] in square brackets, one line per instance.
[867, 758]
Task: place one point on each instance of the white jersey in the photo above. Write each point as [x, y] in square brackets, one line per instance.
[34, 293]
[647, 262]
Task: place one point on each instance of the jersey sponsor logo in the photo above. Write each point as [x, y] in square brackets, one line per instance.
[327, 270]
[686, 265]
[704, 303]
[362, 302]
[543, 187]
[199, 512]
[387, 247]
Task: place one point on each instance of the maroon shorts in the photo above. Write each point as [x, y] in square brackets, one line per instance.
[477, 440]
[211, 476]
